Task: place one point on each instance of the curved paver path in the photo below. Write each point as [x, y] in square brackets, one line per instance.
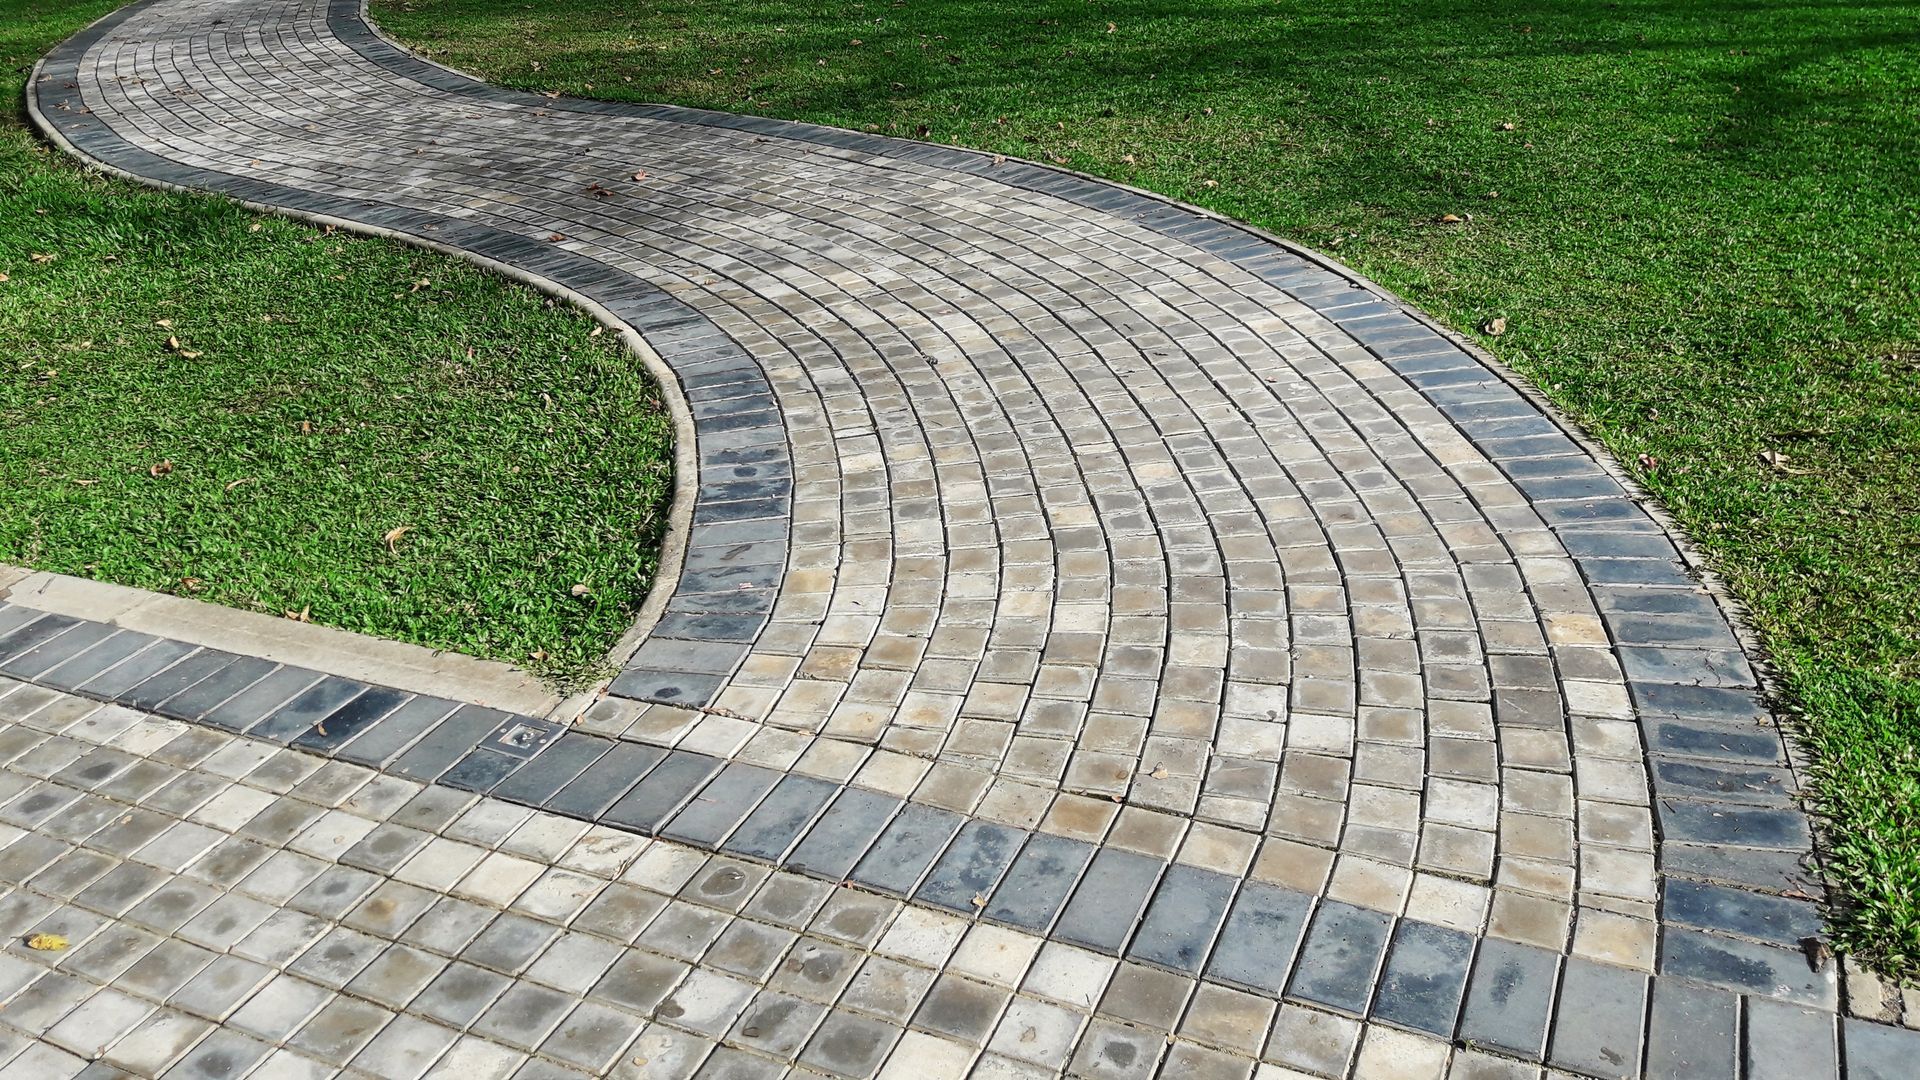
[1058, 556]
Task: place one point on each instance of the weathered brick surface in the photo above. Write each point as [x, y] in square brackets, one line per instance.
[1189, 655]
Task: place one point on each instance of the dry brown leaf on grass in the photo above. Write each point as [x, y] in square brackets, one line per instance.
[305, 615]
[42, 257]
[392, 538]
[1495, 326]
[159, 469]
[237, 483]
[1780, 462]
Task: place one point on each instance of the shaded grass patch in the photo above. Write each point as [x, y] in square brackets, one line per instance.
[201, 401]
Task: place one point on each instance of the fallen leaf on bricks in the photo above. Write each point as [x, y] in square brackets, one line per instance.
[47, 942]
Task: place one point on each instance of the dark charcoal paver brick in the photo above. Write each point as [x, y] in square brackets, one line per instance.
[70, 675]
[197, 700]
[1182, 919]
[843, 833]
[1746, 966]
[721, 805]
[447, 742]
[355, 716]
[1425, 978]
[777, 822]
[1879, 1052]
[307, 708]
[1787, 1042]
[971, 866]
[136, 669]
[1601, 1019]
[667, 786]
[1340, 958]
[1737, 911]
[1036, 887]
[1261, 937]
[247, 707]
[556, 767]
[1690, 1032]
[34, 634]
[1107, 903]
[14, 616]
[481, 770]
[1510, 998]
[179, 677]
[601, 784]
[57, 650]
[1728, 823]
[380, 742]
[916, 836]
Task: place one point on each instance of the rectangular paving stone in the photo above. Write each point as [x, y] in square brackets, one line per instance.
[1746, 966]
[306, 708]
[1787, 1042]
[721, 805]
[1510, 998]
[666, 787]
[835, 843]
[247, 707]
[352, 717]
[481, 770]
[970, 867]
[1183, 918]
[1600, 1020]
[916, 836]
[1037, 885]
[1107, 903]
[384, 739]
[15, 616]
[1260, 939]
[1771, 919]
[1340, 958]
[34, 634]
[139, 667]
[1687, 821]
[70, 675]
[1879, 1052]
[181, 676]
[446, 743]
[202, 697]
[777, 822]
[1425, 978]
[57, 650]
[556, 767]
[1690, 1032]
[601, 784]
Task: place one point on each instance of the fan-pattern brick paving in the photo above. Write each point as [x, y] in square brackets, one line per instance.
[1109, 641]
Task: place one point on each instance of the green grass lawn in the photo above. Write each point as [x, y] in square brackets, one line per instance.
[323, 391]
[1700, 220]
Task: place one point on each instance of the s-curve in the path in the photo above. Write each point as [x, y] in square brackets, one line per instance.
[1066, 559]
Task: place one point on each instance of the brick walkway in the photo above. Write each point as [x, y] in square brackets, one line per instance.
[1108, 641]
